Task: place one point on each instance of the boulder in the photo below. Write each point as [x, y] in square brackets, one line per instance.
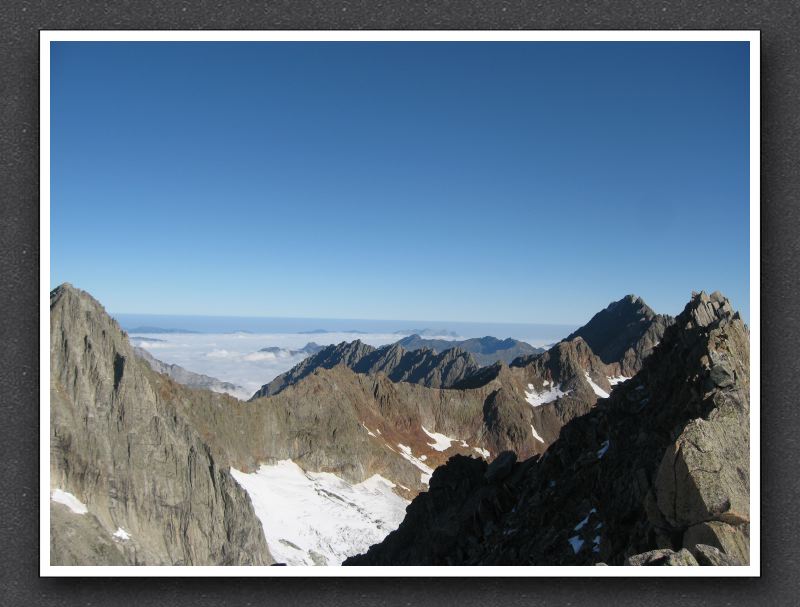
[663, 557]
[710, 556]
[734, 541]
[705, 474]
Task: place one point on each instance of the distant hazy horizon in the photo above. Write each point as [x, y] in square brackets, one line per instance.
[209, 324]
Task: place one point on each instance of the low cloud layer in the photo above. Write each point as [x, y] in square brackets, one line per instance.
[235, 357]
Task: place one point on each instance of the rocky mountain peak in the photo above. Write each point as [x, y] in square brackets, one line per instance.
[661, 465]
[624, 333]
[705, 310]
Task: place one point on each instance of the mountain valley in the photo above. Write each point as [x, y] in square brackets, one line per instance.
[371, 450]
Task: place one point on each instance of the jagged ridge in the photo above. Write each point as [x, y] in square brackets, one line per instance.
[662, 464]
[423, 367]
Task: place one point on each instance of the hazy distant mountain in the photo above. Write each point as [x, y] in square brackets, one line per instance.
[186, 377]
[427, 332]
[309, 348]
[485, 350]
[323, 331]
[146, 329]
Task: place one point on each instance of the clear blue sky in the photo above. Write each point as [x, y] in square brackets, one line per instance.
[518, 182]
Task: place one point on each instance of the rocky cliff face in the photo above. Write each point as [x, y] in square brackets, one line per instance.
[656, 474]
[152, 490]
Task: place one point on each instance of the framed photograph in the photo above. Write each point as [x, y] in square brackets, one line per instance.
[400, 303]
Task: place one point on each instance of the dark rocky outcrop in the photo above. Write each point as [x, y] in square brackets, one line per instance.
[663, 464]
[485, 350]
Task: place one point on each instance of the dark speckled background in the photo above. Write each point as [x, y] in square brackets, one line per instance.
[19, 267]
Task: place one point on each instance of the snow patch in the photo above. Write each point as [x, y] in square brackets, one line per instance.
[602, 451]
[597, 389]
[617, 380]
[536, 435]
[121, 534]
[368, 430]
[483, 452]
[427, 471]
[536, 399]
[576, 542]
[70, 501]
[582, 524]
[317, 518]
[440, 441]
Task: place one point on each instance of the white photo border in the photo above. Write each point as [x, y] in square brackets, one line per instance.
[753, 37]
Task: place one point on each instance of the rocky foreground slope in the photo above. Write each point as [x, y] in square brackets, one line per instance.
[656, 474]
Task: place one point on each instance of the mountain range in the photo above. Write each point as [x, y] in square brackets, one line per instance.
[147, 471]
[309, 348]
[485, 350]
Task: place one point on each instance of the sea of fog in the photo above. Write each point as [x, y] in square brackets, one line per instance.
[228, 348]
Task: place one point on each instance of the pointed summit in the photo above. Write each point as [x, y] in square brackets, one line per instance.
[624, 332]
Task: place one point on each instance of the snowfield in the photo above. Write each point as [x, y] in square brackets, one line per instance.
[551, 393]
[597, 389]
[317, 518]
[440, 441]
[69, 500]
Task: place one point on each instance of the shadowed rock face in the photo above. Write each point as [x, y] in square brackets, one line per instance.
[662, 465]
[624, 333]
[123, 449]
